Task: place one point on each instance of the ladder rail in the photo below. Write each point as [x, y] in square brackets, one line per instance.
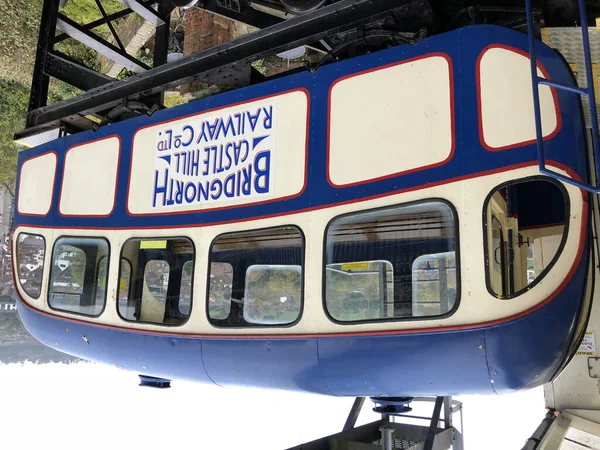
[588, 92]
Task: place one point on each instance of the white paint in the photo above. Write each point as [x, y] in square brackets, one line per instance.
[283, 124]
[506, 102]
[36, 184]
[90, 178]
[476, 303]
[390, 120]
[588, 345]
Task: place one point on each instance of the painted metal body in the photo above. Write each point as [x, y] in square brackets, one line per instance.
[474, 351]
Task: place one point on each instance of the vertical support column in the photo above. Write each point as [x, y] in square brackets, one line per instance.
[40, 82]
[161, 46]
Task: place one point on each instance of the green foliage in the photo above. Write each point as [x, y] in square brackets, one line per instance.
[13, 98]
[86, 11]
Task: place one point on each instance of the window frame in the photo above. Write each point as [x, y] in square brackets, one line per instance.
[559, 251]
[214, 322]
[102, 238]
[131, 277]
[395, 319]
[18, 274]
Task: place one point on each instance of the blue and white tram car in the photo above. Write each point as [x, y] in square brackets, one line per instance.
[378, 227]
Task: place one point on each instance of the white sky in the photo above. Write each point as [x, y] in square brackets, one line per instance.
[90, 406]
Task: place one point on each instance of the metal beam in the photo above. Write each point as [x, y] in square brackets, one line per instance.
[97, 23]
[145, 11]
[354, 412]
[288, 34]
[435, 419]
[248, 15]
[103, 47]
[71, 72]
[40, 82]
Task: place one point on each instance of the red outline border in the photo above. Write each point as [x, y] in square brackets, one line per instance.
[404, 172]
[479, 110]
[566, 280]
[95, 216]
[190, 211]
[51, 152]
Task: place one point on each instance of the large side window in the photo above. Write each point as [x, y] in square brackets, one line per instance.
[157, 277]
[31, 250]
[78, 276]
[392, 263]
[256, 278]
[525, 226]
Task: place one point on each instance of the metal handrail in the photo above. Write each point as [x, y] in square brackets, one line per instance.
[588, 92]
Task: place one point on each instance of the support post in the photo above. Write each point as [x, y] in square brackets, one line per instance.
[435, 418]
[354, 412]
[40, 81]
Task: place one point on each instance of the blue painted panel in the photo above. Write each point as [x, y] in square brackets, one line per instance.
[422, 364]
[289, 364]
[462, 46]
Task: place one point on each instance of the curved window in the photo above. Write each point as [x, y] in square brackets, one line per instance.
[31, 250]
[256, 278]
[155, 280]
[392, 263]
[525, 228]
[78, 276]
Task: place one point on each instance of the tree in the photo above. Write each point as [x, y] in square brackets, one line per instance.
[13, 98]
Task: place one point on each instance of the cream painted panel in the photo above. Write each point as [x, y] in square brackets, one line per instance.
[399, 117]
[477, 305]
[90, 178]
[241, 154]
[36, 184]
[506, 101]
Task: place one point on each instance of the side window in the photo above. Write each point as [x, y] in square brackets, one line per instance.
[31, 250]
[525, 226]
[392, 263]
[159, 276]
[256, 278]
[78, 276]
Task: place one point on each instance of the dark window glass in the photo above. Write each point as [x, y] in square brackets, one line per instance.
[31, 250]
[160, 279]
[393, 263]
[256, 278]
[526, 227]
[78, 276]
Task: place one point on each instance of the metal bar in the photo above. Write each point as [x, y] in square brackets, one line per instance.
[71, 72]
[40, 82]
[590, 83]
[447, 412]
[294, 32]
[161, 44]
[435, 418]
[534, 85]
[144, 10]
[100, 45]
[354, 412]
[110, 26]
[97, 23]
[563, 86]
[249, 16]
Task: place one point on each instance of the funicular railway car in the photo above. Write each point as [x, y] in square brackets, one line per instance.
[377, 227]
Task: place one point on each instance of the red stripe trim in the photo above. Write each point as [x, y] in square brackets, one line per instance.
[479, 102]
[18, 195]
[60, 213]
[490, 323]
[221, 208]
[405, 172]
